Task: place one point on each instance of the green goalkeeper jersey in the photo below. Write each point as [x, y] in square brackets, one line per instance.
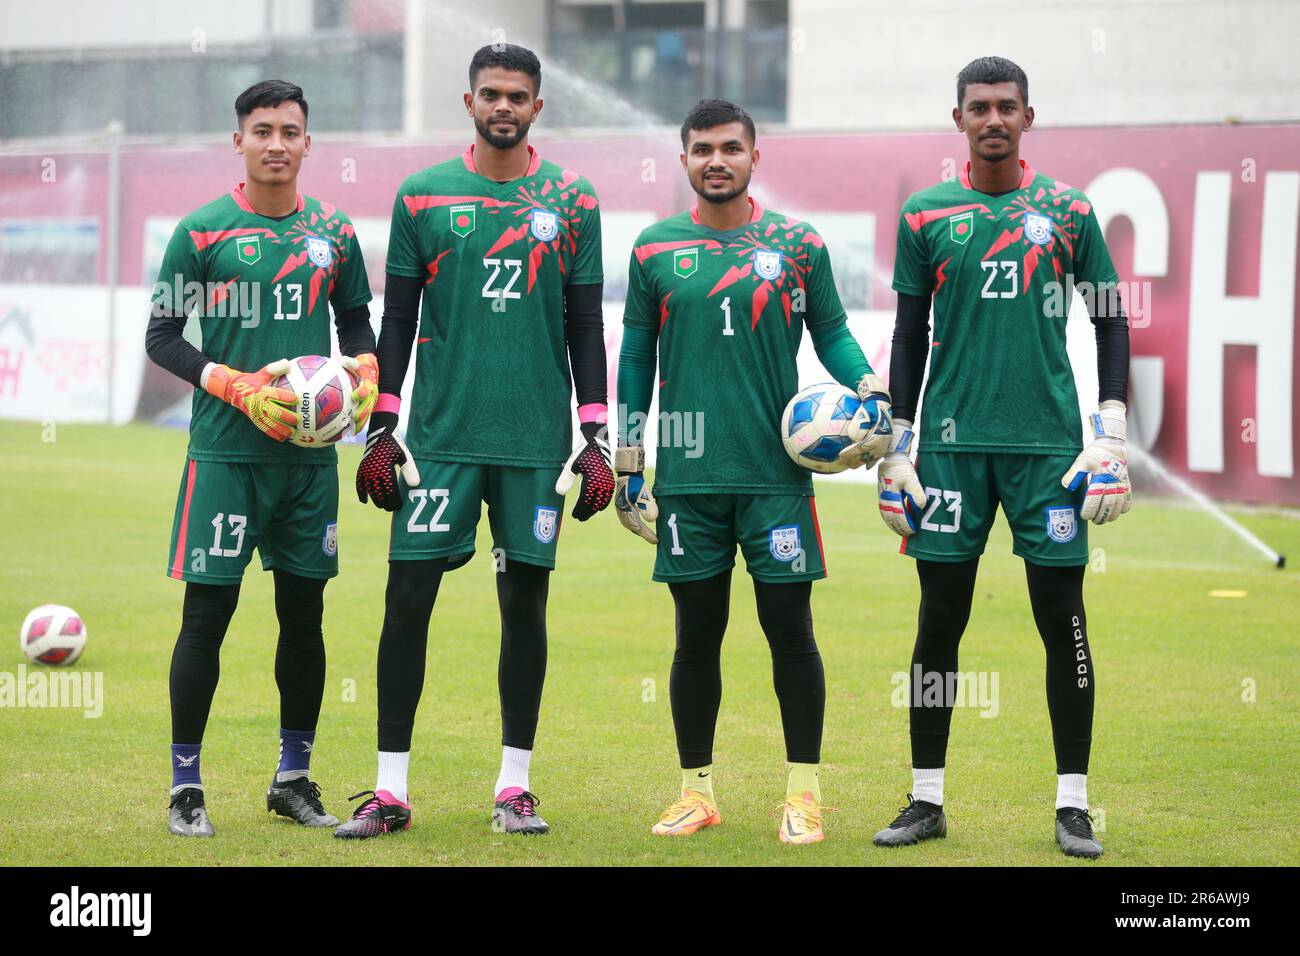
[262, 289]
[492, 381]
[730, 308]
[1002, 269]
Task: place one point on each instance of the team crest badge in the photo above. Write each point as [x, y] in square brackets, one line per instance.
[546, 225]
[961, 227]
[1038, 228]
[785, 543]
[686, 261]
[249, 249]
[767, 263]
[1060, 524]
[462, 219]
[544, 522]
[330, 542]
[319, 252]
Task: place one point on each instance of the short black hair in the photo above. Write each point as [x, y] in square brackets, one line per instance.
[507, 56]
[992, 69]
[268, 93]
[706, 114]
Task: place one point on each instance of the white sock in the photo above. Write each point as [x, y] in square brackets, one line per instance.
[392, 772]
[927, 785]
[1072, 790]
[514, 769]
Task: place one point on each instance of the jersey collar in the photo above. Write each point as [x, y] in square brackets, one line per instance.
[1027, 176]
[241, 200]
[534, 161]
[754, 205]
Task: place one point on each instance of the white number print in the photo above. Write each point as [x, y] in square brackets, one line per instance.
[672, 526]
[294, 291]
[421, 497]
[514, 267]
[726, 317]
[1010, 271]
[237, 525]
[939, 497]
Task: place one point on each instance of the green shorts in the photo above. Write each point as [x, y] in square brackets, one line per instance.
[963, 491]
[440, 517]
[778, 534]
[226, 509]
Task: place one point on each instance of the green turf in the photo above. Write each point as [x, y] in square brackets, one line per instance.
[1185, 771]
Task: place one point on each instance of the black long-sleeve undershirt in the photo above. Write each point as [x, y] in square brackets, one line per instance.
[911, 345]
[584, 332]
[164, 341]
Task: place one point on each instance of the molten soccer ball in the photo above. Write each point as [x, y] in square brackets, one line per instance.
[324, 389]
[817, 426]
[53, 634]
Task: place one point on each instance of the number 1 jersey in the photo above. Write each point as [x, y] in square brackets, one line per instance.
[492, 382]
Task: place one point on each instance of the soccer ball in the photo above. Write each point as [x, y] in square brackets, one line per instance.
[818, 424]
[324, 389]
[53, 634]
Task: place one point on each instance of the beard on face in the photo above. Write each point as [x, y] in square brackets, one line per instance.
[719, 198]
[501, 140]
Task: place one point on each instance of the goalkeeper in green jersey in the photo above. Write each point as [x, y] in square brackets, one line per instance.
[721, 295]
[494, 279]
[261, 266]
[994, 250]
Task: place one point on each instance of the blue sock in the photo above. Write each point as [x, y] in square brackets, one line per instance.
[185, 765]
[295, 750]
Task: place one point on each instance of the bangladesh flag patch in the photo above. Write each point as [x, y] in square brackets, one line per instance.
[686, 261]
[462, 219]
[961, 227]
[249, 249]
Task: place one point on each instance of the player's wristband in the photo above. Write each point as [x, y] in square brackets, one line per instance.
[629, 459]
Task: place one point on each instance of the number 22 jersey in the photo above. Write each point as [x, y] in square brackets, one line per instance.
[492, 382]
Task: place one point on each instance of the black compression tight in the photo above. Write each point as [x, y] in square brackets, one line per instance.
[695, 681]
[521, 671]
[1056, 594]
[299, 655]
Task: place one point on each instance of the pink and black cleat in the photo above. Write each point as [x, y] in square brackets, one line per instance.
[381, 813]
[515, 811]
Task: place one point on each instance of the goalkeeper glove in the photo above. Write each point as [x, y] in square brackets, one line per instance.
[365, 371]
[874, 421]
[590, 460]
[898, 490]
[1104, 466]
[636, 507]
[271, 409]
[386, 453]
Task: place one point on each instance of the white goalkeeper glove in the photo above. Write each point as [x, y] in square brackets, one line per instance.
[1104, 466]
[898, 489]
[873, 421]
[635, 505]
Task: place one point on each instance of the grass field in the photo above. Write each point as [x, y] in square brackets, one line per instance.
[1185, 770]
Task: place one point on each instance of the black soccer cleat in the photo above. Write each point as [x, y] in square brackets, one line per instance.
[517, 813]
[299, 800]
[918, 821]
[381, 813]
[1074, 833]
[187, 815]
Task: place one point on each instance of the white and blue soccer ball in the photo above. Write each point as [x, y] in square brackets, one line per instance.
[818, 424]
[324, 389]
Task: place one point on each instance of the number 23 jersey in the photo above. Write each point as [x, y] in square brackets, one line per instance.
[1000, 269]
[492, 381]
